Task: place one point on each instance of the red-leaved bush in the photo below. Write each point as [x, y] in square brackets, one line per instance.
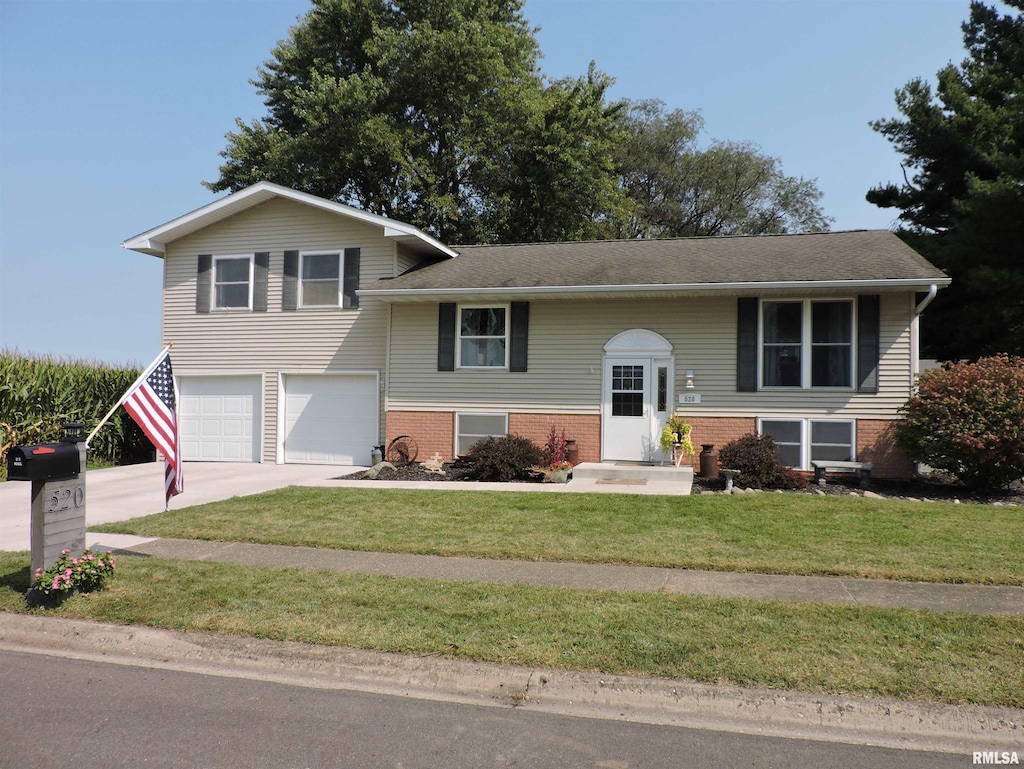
[754, 456]
[968, 419]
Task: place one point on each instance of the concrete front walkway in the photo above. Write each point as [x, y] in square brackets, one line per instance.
[974, 599]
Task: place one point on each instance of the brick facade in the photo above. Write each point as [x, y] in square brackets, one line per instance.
[585, 429]
[875, 443]
[434, 432]
[718, 431]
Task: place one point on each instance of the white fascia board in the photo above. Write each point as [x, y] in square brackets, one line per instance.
[154, 241]
[796, 285]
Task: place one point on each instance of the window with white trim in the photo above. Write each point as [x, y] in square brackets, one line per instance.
[798, 442]
[807, 343]
[483, 337]
[232, 282]
[471, 427]
[320, 279]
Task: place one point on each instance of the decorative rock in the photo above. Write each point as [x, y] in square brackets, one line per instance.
[872, 495]
[374, 471]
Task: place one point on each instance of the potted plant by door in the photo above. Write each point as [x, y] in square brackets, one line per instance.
[675, 437]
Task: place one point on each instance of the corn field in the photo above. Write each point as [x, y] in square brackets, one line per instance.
[38, 394]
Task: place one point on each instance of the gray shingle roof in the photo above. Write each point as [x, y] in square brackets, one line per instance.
[862, 255]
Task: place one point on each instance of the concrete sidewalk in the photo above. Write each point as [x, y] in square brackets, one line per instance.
[974, 599]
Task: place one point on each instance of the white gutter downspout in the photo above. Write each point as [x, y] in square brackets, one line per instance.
[933, 289]
[915, 354]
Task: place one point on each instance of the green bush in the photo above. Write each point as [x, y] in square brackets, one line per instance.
[968, 419]
[507, 458]
[754, 456]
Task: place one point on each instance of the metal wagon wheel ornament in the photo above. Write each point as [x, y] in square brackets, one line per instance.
[402, 450]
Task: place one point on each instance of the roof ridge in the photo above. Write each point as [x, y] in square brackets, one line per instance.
[664, 240]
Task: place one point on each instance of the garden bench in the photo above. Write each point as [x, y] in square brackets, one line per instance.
[864, 468]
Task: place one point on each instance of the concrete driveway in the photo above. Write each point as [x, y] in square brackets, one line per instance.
[120, 493]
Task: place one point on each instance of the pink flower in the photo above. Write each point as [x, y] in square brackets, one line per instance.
[55, 584]
[65, 551]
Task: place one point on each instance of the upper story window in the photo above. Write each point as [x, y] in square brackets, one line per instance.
[483, 337]
[807, 343]
[232, 282]
[320, 283]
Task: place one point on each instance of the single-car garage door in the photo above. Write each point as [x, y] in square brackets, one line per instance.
[330, 418]
[220, 418]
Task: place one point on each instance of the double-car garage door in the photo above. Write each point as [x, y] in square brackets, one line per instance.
[325, 418]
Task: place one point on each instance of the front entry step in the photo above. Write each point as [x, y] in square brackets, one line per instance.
[605, 471]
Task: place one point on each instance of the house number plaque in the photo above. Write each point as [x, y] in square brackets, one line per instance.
[58, 519]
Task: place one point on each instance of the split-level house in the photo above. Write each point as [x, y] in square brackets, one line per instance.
[309, 331]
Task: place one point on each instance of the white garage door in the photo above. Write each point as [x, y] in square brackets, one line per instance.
[330, 418]
[220, 418]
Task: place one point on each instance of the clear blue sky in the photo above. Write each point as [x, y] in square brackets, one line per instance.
[113, 111]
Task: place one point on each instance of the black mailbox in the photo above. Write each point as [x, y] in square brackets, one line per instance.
[41, 463]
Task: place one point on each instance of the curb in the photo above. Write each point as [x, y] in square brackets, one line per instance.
[854, 720]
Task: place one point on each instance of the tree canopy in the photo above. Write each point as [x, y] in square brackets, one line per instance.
[675, 188]
[436, 113]
[962, 197]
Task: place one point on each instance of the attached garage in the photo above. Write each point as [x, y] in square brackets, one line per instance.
[330, 418]
[220, 418]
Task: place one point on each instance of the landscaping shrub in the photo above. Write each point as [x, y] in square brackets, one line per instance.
[754, 456]
[508, 458]
[968, 419]
[556, 450]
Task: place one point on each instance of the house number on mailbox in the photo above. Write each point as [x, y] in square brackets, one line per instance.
[65, 497]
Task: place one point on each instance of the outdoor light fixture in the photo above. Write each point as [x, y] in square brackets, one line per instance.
[689, 379]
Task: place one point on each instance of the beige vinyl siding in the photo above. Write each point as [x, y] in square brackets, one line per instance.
[307, 340]
[404, 259]
[566, 349]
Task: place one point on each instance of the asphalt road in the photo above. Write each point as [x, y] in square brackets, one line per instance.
[61, 711]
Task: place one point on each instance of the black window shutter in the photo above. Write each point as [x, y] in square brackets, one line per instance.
[520, 330]
[259, 281]
[204, 278]
[746, 344]
[446, 336]
[868, 333]
[290, 283]
[351, 278]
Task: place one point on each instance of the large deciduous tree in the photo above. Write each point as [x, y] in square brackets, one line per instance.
[676, 188]
[432, 112]
[962, 197]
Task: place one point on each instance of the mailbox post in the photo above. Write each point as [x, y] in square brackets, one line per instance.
[57, 474]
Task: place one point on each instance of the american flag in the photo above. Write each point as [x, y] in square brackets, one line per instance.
[152, 404]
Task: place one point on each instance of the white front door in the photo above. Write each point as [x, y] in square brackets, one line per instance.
[628, 409]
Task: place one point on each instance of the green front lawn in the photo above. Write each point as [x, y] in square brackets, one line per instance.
[769, 533]
[809, 647]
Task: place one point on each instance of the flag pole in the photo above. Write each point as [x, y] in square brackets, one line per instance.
[142, 376]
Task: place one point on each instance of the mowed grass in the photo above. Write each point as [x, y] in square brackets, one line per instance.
[767, 533]
[926, 656]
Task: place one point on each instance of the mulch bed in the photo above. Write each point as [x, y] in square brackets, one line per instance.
[937, 487]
